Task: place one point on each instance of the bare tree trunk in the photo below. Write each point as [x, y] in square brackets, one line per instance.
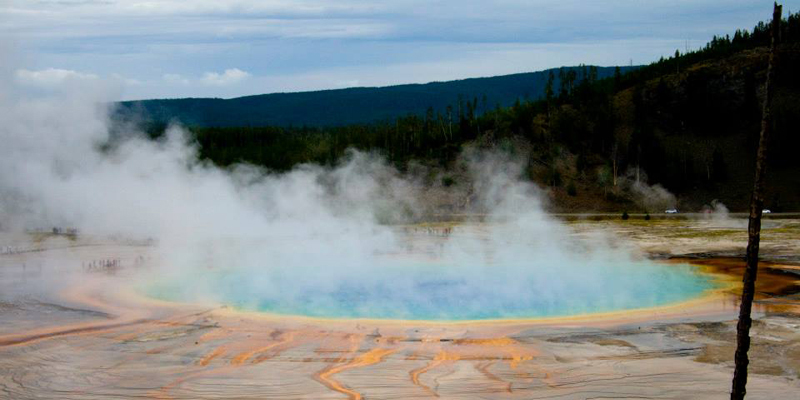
[614, 163]
[615, 171]
[738, 390]
[638, 161]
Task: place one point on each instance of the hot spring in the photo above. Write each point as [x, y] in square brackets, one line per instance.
[336, 242]
[453, 279]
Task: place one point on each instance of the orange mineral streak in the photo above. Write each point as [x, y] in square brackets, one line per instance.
[484, 369]
[515, 351]
[371, 357]
[502, 341]
[212, 355]
[50, 333]
[204, 362]
[518, 354]
[440, 358]
[241, 358]
[84, 295]
[486, 351]
[517, 359]
[215, 334]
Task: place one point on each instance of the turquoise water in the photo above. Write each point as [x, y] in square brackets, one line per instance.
[431, 291]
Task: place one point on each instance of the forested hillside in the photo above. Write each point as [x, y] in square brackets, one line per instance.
[350, 106]
[688, 123]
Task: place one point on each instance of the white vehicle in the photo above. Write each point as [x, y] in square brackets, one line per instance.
[671, 211]
[766, 211]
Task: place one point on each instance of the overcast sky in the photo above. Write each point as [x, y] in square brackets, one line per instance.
[217, 48]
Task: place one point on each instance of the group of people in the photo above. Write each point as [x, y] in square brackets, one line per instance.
[434, 231]
[110, 264]
[102, 265]
[65, 231]
[8, 250]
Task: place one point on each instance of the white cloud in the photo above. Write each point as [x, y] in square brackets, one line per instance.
[175, 78]
[52, 77]
[230, 76]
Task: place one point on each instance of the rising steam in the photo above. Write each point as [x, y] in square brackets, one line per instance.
[314, 240]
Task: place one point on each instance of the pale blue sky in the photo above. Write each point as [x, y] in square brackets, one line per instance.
[215, 48]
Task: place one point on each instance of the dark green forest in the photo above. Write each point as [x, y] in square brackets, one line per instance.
[690, 121]
[340, 107]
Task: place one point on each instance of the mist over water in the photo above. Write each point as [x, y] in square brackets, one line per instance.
[406, 288]
[315, 240]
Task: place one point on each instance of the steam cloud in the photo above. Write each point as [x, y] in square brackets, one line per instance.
[303, 240]
[650, 197]
[717, 215]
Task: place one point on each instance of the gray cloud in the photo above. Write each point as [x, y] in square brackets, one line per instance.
[52, 77]
[283, 43]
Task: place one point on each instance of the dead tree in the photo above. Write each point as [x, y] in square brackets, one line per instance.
[754, 228]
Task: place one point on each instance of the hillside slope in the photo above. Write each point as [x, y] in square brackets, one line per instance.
[347, 106]
[699, 129]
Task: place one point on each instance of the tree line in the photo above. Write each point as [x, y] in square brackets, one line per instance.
[579, 115]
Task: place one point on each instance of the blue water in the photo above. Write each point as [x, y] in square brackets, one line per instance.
[444, 292]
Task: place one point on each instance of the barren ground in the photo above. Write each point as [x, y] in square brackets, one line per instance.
[92, 338]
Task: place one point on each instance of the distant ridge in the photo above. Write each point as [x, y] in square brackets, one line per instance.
[358, 105]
